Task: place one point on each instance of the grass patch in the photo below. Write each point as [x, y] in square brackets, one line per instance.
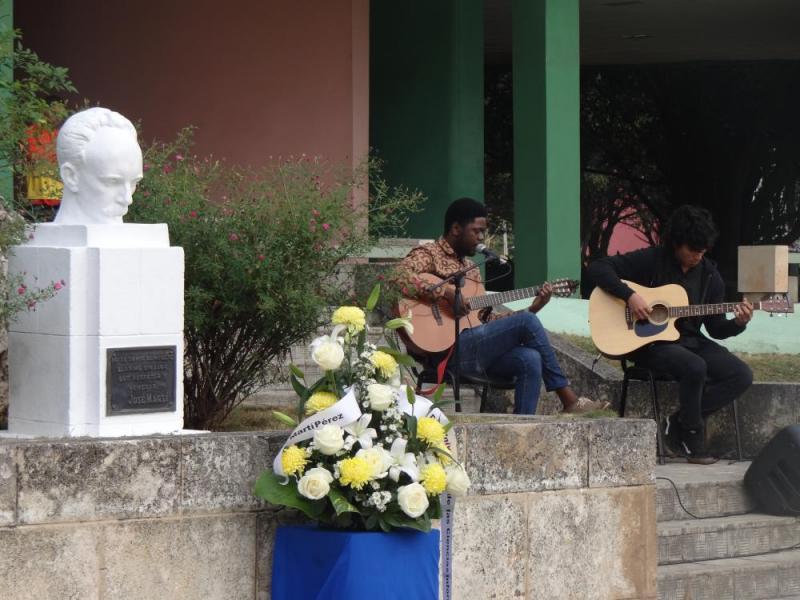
[252, 418]
[784, 368]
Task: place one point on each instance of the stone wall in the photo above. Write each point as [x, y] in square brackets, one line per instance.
[558, 508]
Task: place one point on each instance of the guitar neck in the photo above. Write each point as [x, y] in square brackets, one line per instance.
[701, 310]
[479, 302]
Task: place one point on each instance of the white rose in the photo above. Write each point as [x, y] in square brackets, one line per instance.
[329, 439]
[381, 396]
[315, 483]
[327, 353]
[379, 460]
[412, 499]
[457, 480]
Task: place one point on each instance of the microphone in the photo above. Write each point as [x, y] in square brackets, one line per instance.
[490, 255]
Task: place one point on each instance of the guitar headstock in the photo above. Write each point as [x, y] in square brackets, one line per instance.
[777, 305]
[563, 288]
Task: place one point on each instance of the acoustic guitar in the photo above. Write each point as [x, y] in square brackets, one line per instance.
[616, 333]
[434, 322]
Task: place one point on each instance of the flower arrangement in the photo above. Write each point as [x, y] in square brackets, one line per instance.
[368, 454]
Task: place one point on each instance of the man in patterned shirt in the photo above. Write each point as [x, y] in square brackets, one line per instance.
[505, 345]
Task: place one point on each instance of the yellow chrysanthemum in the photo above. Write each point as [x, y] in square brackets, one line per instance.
[433, 479]
[384, 363]
[430, 430]
[355, 472]
[445, 460]
[293, 460]
[320, 401]
[352, 316]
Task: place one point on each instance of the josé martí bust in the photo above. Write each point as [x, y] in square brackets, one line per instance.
[103, 357]
[100, 164]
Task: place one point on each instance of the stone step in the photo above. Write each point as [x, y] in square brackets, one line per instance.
[725, 537]
[775, 575]
[704, 490]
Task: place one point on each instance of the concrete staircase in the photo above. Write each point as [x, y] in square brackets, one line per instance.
[733, 552]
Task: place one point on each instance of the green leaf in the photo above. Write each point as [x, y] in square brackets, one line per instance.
[410, 395]
[269, 486]
[296, 371]
[411, 426]
[400, 357]
[284, 418]
[437, 395]
[299, 388]
[441, 403]
[435, 509]
[340, 503]
[421, 523]
[395, 323]
[441, 452]
[372, 301]
[448, 426]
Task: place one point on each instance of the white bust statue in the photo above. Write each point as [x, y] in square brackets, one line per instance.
[100, 164]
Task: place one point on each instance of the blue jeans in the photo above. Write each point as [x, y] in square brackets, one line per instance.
[516, 346]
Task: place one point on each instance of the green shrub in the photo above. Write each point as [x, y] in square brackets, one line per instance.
[264, 254]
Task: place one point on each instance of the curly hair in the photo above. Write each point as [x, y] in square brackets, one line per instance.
[690, 225]
[463, 211]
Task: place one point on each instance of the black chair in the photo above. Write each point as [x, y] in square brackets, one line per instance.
[427, 374]
[632, 372]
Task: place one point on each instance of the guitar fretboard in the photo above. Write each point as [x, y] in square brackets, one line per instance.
[700, 310]
[478, 302]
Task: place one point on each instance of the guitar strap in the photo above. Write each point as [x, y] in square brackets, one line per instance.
[441, 369]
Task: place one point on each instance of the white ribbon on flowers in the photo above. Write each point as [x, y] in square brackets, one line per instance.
[421, 407]
[345, 412]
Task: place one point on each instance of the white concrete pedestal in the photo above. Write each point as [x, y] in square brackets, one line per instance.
[124, 289]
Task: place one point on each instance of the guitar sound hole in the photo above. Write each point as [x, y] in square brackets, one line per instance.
[659, 314]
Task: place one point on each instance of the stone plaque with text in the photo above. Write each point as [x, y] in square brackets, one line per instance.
[140, 380]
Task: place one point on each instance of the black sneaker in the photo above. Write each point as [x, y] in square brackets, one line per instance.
[693, 444]
[672, 436]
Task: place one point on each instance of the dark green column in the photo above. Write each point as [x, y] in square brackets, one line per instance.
[546, 64]
[6, 24]
[426, 100]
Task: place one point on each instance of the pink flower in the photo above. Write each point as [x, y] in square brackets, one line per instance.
[146, 194]
[179, 157]
[21, 290]
[261, 258]
[326, 226]
[167, 169]
[57, 285]
[192, 214]
[233, 237]
[315, 212]
[146, 167]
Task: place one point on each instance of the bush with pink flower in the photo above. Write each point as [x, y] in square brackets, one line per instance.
[264, 255]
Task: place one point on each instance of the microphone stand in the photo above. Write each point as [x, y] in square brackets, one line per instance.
[457, 279]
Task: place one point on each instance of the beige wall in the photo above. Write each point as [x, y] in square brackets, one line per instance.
[258, 78]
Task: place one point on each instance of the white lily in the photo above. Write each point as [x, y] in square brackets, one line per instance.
[404, 322]
[361, 432]
[402, 461]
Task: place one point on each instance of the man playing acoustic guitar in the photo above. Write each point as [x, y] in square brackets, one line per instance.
[503, 345]
[709, 377]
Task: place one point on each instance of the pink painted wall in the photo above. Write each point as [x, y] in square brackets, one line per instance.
[259, 78]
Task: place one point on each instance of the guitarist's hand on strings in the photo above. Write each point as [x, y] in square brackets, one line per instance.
[542, 298]
[743, 313]
[450, 296]
[639, 307]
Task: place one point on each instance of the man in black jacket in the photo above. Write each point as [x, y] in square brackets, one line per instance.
[709, 376]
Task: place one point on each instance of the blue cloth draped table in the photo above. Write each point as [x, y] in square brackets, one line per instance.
[310, 563]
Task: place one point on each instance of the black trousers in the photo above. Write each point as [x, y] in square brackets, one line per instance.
[708, 375]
